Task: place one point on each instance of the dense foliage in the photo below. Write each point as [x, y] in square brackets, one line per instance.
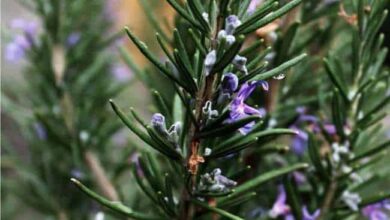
[261, 110]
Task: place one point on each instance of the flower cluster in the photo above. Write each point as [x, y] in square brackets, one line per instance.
[16, 49]
[281, 208]
[215, 182]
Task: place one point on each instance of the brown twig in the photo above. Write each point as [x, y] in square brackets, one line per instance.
[329, 197]
[101, 178]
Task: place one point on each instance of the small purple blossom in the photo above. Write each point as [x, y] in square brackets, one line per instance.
[120, 138]
[308, 216]
[77, 173]
[16, 49]
[121, 72]
[299, 143]
[134, 158]
[110, 9]
[377, 211]
[280, 207]
[299, 177]
[253, 5]
[238, 108]
[73, 39]
[28, 27]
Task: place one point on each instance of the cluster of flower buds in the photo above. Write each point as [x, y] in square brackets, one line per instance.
[339, 154]
[340, 151]
[172, 134]
[215, 182]
[232, 22]
[352, 200]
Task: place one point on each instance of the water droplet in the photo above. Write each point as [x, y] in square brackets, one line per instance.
[279, 77]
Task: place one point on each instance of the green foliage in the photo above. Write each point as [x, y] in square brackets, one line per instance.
[316, 149]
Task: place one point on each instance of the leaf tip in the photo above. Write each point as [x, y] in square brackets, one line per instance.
[75, 181]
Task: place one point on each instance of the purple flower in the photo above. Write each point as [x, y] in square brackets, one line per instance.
[121, 72]
[110, 9]
[229, 83]
[134, 158]
[377, 211]
[120, 138]
[77, 173]
[253, 5]
[238, 108]
[73, 39]
[28, 27]
[299, 177]
[16, 49]
[299, 143]
[280, 207]
[308, 216]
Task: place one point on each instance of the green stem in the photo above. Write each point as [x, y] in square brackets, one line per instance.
[329, 197]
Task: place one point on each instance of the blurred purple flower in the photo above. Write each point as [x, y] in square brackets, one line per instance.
[110, 9]
[280, 207]
[299, 177]
[238, 108]
[73, 39]
[377, 211]
[120, 138]
[299, 143]
[77, 173]
[40, 131]
[308, 216]
[15, 50]
[253, 5]
[121, 72]
[28, 27]
[134, 158]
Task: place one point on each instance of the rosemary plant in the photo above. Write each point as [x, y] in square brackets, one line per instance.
[63, 113]
[261, 110]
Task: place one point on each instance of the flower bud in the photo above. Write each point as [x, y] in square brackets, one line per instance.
[210, 60]
[229, 83]
[158, 123]
[232, 22]
[239, 62]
